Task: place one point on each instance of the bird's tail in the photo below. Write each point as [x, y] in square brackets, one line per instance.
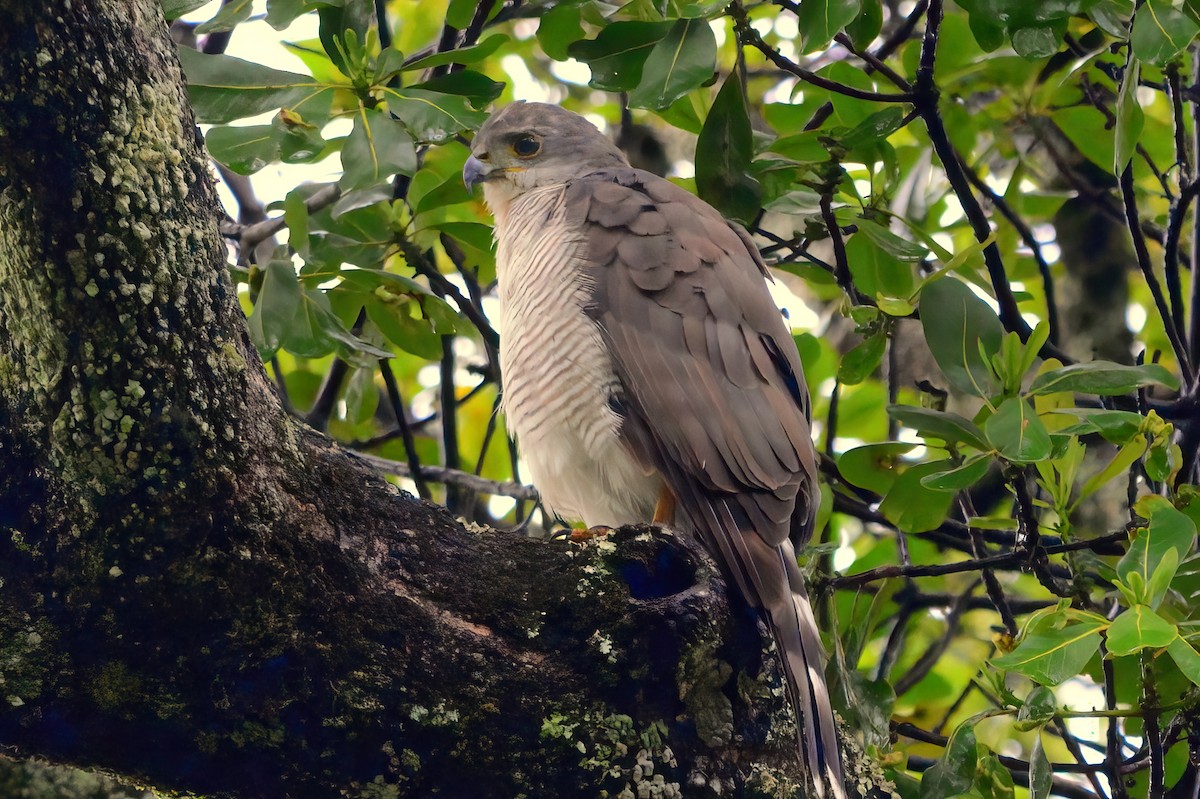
[794, 628]
[766, 573]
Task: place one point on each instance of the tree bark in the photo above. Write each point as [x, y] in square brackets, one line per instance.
[197, 590]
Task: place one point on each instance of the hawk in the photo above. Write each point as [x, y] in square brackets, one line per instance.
[648, 374]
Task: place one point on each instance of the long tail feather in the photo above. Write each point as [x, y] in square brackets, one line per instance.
[769, 579]
[794, 628]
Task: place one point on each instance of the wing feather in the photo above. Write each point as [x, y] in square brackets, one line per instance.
[714, 400]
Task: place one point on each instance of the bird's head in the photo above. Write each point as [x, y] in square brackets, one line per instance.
[526, 146]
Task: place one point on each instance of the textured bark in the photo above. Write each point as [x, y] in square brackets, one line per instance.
[198, 591]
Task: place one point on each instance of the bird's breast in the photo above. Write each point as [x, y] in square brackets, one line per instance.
[558, 374]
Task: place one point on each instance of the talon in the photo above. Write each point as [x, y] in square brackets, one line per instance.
[579, 536]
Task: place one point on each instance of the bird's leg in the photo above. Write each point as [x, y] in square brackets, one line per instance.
[664, 510]
[579, 536]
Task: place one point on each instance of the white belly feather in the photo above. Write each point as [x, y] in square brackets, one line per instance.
[557, 372]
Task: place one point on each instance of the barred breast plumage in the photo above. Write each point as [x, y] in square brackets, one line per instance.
[558, 376]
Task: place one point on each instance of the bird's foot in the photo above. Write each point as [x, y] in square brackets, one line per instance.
[579, 536]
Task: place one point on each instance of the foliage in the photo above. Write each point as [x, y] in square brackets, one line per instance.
[918, 175]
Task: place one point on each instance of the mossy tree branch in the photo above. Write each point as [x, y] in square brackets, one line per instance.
[199, 591]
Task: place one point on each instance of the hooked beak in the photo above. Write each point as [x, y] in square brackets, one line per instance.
[474, 171]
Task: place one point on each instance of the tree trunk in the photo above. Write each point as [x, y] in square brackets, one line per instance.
[198, 590]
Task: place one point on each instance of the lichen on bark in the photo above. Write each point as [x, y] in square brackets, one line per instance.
[196, 589]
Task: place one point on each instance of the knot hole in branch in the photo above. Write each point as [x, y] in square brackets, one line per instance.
[654, 563]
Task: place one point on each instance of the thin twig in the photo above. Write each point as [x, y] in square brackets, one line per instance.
[1150, 726]
[444, 476]
[447, 392]
[1170, 324]
[926, 100]
[249, 237]
[1030, 241]
[1008, 560]
[416, 472]
[994, 590]
[933, 654]
[747, 35]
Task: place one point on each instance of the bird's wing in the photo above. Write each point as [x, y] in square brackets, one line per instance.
[706, 360]
[713, 398]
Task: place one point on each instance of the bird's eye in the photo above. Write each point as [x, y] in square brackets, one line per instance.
[526, 146]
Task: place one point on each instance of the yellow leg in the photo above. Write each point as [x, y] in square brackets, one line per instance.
[579, 536]
[664, 511]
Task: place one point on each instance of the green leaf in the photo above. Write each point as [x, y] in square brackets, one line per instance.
[1186, 658]
[1130, 117]
[231, 15]
[1160, 578]
[988, 36]
[406, 332]
[1038, 709]
[558, 29]
[799, 202]
[316, 331]
[867, 25]
[962, 476]
[441, 315]
[851, 111]
[476, 86]
[683, 60]
[957, 325]
[245, 150]
[911, 506]
[992, 523]
[821, 20]
[875, 128]
[1041, 776]
[1036, 43]
[1117, 427]
[1056, 646]
[460, 12]
[861, 362]
[1017, 432]
[618, 55]
[872, 466]
[992, 780]
[1102, 377]
[900, 248]
[464, 56]
[948, 427]
[1112, 17]
[281, 13]
[1161, 32]
[875, 269]
[174, 9]
[1168, 531]
[295, 216]
[299, 142]
[376, 149]
[432, 116]
[805, 148]
[361, 395]
[1139, 628]
[954, 774]
[388, 64]
[724, 149]
[223, 88]
[276, 305]
[1117, 467]
[343, 30]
